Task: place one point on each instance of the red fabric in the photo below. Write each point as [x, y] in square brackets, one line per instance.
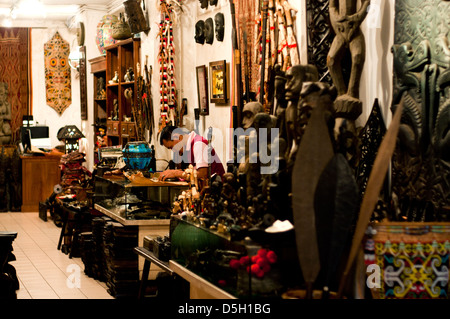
[216, 168]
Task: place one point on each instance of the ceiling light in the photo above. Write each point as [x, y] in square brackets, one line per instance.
[7, 23]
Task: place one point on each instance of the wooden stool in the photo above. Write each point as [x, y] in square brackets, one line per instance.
[73, 221]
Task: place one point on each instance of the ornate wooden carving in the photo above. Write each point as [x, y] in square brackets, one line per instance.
[320, 36]
[83, 84]
[421, 175]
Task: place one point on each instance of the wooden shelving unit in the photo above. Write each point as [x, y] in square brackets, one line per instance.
[120, 123]
[98, 70]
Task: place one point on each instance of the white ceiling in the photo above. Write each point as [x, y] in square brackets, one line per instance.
[61, 2]
[56, 10]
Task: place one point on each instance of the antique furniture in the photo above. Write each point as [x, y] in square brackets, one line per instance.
[39, 175]
[120, 57]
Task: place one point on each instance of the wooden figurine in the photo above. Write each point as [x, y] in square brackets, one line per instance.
[346, 21]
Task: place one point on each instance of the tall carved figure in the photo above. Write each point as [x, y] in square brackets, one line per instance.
[5, 115]
[346, 20]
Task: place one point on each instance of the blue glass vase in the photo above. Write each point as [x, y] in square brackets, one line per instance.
[137, 155]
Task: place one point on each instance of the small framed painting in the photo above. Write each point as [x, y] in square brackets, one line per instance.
[202, 89]
[218, 81]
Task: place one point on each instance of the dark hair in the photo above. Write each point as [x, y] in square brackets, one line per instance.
[166, 133]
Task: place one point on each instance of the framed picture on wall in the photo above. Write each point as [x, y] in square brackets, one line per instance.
[218, 81]
[202, 89]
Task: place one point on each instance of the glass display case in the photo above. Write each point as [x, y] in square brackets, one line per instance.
[148, 199]
[241, 268]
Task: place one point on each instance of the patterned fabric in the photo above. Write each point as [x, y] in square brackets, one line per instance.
[413, 264]
[57, 73]
[14, 70]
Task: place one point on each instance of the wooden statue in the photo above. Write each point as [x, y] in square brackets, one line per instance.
[295, 77]
[5, 115]
[345, 20]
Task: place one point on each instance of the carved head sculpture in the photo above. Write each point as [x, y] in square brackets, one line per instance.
[219, 22]
[200, 32]
[312, 95]
[203, 4]
[279, 84]
[209, 31]
[249, 112]
[295, 77]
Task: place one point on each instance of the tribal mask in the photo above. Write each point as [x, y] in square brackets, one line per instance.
[209, 31]
[200, 32]
[219, 23]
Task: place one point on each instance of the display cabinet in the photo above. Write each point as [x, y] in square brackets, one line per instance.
[121, 63]
[98, 70]
[136, 201]
[219, 266]
[144, 204]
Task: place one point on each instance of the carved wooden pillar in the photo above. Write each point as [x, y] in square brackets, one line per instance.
[421, 174]
[320, 36]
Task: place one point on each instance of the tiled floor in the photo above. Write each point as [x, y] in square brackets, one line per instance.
[44, 271]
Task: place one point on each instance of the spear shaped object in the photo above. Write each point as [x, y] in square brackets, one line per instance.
[374, 185]
[283, 53]
[314, 153]
[292, 42]
[336, 205]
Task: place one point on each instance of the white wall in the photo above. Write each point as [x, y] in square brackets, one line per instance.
[190, 54]
[44, 114]
[376, 80]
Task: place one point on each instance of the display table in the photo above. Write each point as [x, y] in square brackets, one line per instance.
[150, 227]
[39, 175]
[114, 196]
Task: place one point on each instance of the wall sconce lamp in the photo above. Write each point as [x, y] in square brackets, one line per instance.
[74, 58]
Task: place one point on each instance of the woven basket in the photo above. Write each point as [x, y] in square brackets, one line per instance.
[412, 259]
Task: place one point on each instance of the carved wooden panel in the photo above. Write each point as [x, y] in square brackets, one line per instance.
[320, 36]
[83, 84]
[421, 163]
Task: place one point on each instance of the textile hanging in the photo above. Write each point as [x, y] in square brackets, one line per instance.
[413, 259]
[15, 68]
[57, 73]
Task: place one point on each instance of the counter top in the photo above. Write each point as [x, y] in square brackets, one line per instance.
[131, 222]
[140, 181]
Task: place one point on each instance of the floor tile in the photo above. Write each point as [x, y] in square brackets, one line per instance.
[42, 269]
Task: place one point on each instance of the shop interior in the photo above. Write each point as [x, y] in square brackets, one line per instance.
[224, 149]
